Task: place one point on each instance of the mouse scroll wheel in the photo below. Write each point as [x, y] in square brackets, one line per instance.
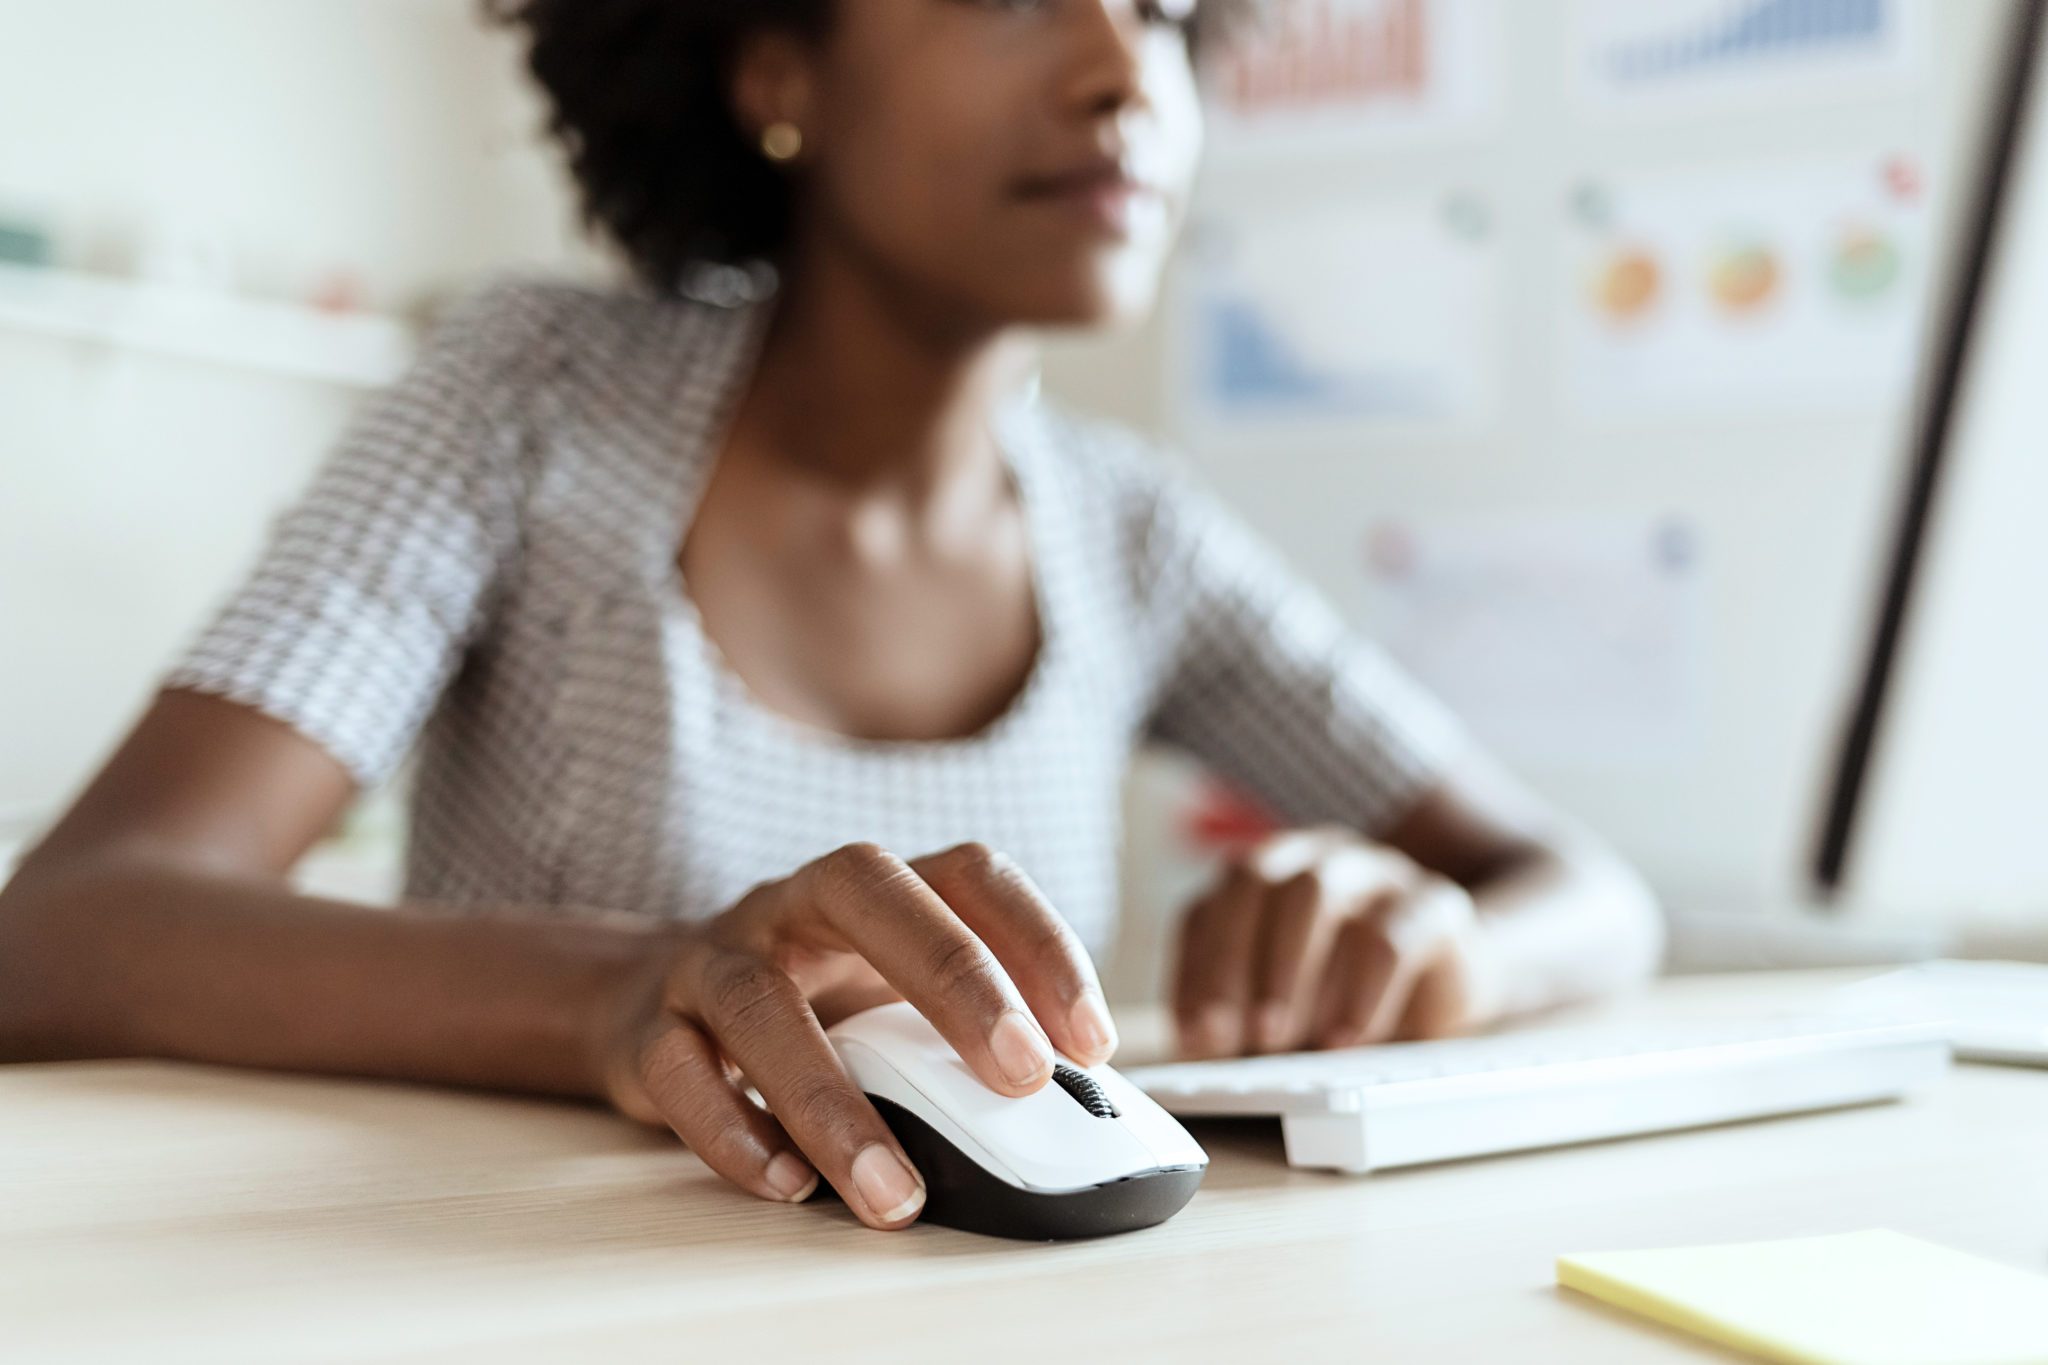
[1086, 1090]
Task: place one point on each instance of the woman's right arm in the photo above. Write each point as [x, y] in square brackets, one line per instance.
[155, 920]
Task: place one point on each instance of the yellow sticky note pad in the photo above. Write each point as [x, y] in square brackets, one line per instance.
[1861, 1298]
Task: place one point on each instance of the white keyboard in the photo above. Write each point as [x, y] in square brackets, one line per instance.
[1991, 1011]
[1401, 1104]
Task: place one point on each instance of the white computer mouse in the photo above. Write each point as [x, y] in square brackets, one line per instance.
[1087, 1155]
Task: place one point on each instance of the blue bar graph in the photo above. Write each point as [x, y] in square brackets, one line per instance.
[1253, 367]
[1759, 28]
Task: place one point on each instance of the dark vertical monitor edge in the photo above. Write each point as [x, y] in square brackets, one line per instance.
[1978, 241]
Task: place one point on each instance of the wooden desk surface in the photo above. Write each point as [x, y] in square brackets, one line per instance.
[175, 1213]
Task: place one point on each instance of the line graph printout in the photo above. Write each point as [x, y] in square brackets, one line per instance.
[1317, 74]
[1731, 52]
[1349, 312]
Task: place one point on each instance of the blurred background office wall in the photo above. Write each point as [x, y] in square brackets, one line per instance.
[175, 165]
[1567, 343]
[1572, 347]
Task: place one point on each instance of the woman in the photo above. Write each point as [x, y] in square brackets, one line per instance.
[774, 657]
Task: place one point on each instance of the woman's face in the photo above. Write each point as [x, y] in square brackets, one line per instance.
[1023, 161]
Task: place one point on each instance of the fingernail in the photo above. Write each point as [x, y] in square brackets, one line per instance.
[1223, 1028]
[1092, 1027]
[888, 1186]
[791, 1179]
[1271, 1027]
[1020, 1050]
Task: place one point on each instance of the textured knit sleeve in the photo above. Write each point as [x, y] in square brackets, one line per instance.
[1264, 681]
[373, 584]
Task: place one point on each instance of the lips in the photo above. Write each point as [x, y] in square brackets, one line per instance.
[1106, 193]
[1087, 176]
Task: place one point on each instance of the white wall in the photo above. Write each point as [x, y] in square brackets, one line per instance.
[389, 139]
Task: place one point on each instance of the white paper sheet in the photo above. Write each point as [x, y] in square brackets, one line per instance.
[1361, 312]
[1792, 285]
[1318, 74]
[1572, 640]
[1690, 55]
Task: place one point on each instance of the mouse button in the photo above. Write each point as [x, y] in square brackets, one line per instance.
[1042, 1141]
[875, 1068]
[1148, 1123]
[1044, 1138]
[1054, 1144]
[948, 1084]
[878, 1072]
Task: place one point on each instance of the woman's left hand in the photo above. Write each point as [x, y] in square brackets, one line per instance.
[1320, 938]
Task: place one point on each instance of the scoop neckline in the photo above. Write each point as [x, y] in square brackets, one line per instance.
[702, 447]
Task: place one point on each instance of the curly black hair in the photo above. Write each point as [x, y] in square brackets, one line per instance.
[640, 103]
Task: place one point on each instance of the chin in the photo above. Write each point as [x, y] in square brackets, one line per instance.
[1111, 298]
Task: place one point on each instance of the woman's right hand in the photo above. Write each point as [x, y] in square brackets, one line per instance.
[744, 998]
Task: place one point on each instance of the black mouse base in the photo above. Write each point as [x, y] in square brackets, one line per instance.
[960, 1194]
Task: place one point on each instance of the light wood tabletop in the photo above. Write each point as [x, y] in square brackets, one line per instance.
[176, 1213]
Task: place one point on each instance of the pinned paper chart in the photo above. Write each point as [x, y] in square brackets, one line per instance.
[1359, 313]
[1767, 287]
[1744, 51]
[1571, 639]
[1323, 72]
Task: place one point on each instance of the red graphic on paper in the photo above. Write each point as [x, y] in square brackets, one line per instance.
[1221, 819]
[1314, 53]
[1902, 178]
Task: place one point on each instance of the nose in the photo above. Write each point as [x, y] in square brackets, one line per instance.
[1106, 73]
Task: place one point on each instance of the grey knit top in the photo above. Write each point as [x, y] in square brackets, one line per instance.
[485, 569]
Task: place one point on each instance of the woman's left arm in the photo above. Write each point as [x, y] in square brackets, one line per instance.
[1423, 890]
[1476, 906]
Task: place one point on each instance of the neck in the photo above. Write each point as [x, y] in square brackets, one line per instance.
[863, 387]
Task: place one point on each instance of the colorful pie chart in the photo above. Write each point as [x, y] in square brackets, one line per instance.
[1744, 277]
[1865, 264]
[1626, 284]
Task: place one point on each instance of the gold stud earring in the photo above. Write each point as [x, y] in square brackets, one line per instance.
[781, 141]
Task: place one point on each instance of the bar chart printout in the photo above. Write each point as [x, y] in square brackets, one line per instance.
[1323, 71]
[1739, 50]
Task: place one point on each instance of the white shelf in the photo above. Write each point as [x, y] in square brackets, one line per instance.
[352, 350]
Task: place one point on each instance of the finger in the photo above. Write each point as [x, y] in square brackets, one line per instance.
[1379, 957]
[1195, 930]
[686, 1082]
[842, 1002]
[1293, 941]
[860, 899]
[1001, 905]
[1416, 927]
[1341, 878]
[1338, 1019]
[759, 1019]
[1216, 964]
[1388, 990]
[1361, 965]
[1436, 1007]
[1440, 1002]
